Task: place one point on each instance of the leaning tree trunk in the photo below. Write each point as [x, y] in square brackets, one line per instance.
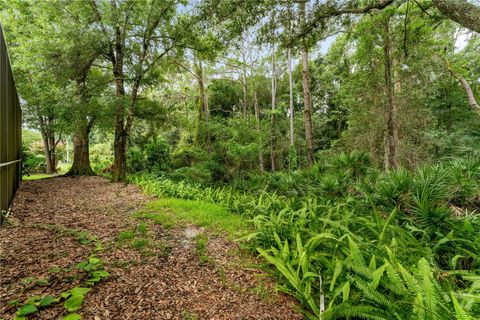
[472, 102]
[307, 98]
[461, 11]
[391, 134]
[81, 153]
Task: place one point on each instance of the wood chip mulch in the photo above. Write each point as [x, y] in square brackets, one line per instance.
[162, 279]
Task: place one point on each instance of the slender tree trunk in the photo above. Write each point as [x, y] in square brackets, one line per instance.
[49, 145]
[307, 100]
[273, 132]
[245, 93]
[53, 154]
[290, 81]
[49, 165]
[201, 135]
[391, 134]
[81, 153]
[261, 164]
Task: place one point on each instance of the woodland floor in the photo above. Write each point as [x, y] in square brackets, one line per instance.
[155, 272]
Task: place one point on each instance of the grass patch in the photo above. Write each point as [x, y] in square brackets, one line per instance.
[201, 243]
[171, 211]
[139, 243]
[187, 315]
[38, 176]
[142, 228]
[126, 235]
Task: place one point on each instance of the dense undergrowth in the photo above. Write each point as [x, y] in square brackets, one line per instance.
[350, 242]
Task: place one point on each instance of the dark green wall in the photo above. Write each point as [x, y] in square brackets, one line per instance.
[10, 131]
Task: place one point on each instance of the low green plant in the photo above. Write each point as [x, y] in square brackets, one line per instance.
[72, 299]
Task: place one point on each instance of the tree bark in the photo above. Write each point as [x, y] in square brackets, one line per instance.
[273, 131]
[120, 143]
[461, 11]
[307, 99]
[245, 93]
[49, 145]
[201, 134]
[290, 81]
[81, 153]
[84, 123]
[49, 163]
[261, 163]
[391, 133]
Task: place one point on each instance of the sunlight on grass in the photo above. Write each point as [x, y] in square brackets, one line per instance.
[170, 212]
[38, 176]
[63, 167]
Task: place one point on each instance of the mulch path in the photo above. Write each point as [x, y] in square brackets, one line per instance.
[51, 226]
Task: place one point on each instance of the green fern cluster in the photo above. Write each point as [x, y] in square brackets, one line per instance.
[417, 229]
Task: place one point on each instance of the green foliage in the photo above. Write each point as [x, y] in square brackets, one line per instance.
[377, 246]
[73, 298]
[101, 156]
[151, 157]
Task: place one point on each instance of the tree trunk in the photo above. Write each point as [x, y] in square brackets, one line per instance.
[273, 138]
[472, 102]
[49, 163]
[258, 129]
[391, 134]
[81, 153]
[201, 135]
[245, 92]
[120, 143]
[53, 155]
[120, 161]
[49, 145]
[307, 99]
[290, 81]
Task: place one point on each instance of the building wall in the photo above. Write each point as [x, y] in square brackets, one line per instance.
[10, 132]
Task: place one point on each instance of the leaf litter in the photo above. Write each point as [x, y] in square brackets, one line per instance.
[55, 223]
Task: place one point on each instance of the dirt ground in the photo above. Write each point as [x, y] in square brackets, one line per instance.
[155, 273]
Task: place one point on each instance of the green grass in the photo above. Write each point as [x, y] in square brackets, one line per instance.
[126, 235]
[62, 168]
[39, 176]
[201, 243]
[170, 212]
[139, 243]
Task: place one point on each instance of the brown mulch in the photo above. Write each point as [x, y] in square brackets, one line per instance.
[163, 279]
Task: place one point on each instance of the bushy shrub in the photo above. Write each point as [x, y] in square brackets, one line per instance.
[194, 174]
[185, 156]
[101, 156]
[33, 157]
[152, 157]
